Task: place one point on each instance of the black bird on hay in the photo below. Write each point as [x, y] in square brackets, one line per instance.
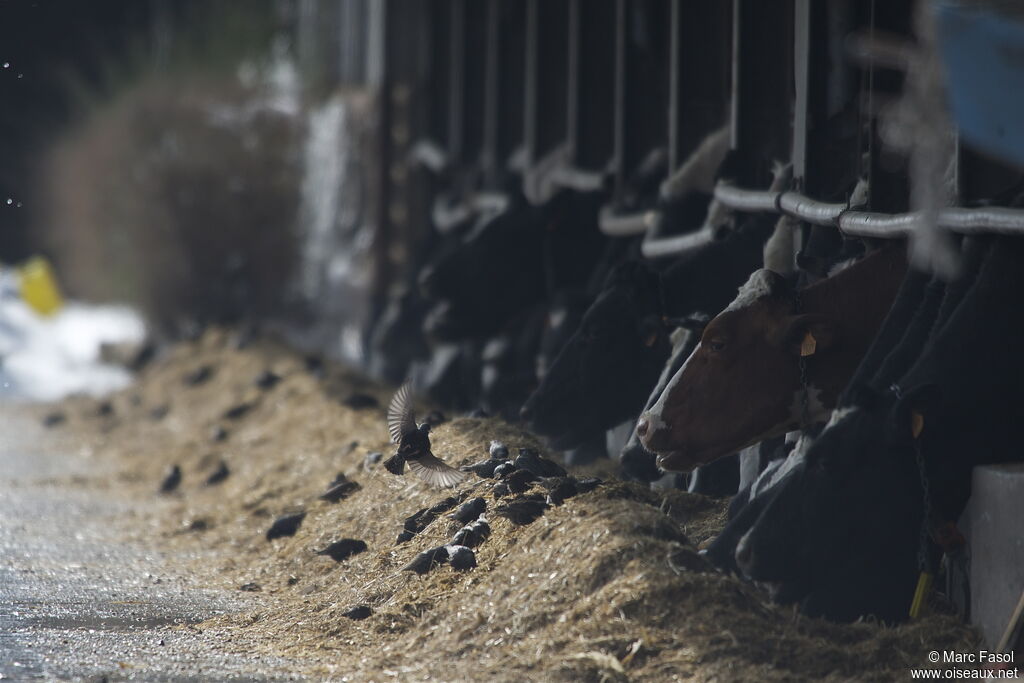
[414, 445]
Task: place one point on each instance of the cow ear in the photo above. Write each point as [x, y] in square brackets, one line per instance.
[916, 408]
[807, 335]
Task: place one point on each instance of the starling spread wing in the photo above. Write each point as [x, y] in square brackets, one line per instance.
[435, 472]
[400, 418]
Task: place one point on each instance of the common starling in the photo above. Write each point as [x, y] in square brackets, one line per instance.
[498, 450]
[563, 489]
[358, 612]
[285, 526]
[470, 510]
[343, 549]
[427, 560]
[267, 380]
[172, 479]
[414, 445]
[461, 557]
[219, 474]
[503, 470]
[529, 459]
[523, 510]
[520, 480]
[473, 534]
[54, 419]
[340, 488]
[238, 411]
[484, 468]
[198, 376]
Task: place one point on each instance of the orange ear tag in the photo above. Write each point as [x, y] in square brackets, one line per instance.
[916, 423]
[809, 345]
[652, 338]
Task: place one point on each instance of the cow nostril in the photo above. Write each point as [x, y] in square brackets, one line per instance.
[642, 425]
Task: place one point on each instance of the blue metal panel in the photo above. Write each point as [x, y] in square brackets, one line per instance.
[984, 55]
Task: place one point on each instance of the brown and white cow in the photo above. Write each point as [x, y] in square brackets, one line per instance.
[742, 383]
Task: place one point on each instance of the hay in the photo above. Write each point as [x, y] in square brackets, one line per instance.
[585, 593]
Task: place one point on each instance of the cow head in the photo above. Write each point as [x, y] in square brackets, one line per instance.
[742, 383]
[840, 536]
[490, 274]
[508, 261]
[602, 375]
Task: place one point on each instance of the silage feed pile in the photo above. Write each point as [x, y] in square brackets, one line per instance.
[606, 586]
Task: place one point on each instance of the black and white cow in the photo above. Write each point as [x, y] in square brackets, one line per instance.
[510, 261]
[841, 533]
[606, 370]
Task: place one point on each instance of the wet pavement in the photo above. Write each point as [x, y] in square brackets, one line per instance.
[77, 602]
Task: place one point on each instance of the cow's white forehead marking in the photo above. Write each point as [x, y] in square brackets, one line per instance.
[654, 415]
[759, 285]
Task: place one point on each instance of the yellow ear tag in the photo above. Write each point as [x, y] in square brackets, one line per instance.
[924, 586]
[916, 423]
[808, 345]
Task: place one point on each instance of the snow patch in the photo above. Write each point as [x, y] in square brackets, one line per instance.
[47, 358]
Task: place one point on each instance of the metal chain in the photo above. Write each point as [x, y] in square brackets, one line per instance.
[922, 543]
[922, 548]
[805, 398]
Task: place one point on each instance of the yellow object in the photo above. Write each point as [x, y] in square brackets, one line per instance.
[924, 586]
[39, 286]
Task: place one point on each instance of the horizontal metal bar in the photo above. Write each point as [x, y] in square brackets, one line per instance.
[865, 223]
[621, 225]
[673, 246]
[739, 199]
[446, 213]
[810, 210]
[577, 179]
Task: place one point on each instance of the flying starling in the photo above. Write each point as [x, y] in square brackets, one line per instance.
[414, 445]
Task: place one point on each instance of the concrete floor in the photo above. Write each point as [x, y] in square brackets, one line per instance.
[79, 603]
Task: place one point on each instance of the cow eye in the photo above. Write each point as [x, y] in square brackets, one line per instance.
[716, 345]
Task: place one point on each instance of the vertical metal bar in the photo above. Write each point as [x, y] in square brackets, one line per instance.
[512, 79]
[572, 105]
[801, 77]
[674, 85]
[762, 85]
[619, 150]
[380, 20]
[736, 100]
[532, 81]
[595, 100]
[489, 153]
[457, 79]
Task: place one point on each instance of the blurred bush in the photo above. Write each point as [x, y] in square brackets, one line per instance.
[179, 195]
